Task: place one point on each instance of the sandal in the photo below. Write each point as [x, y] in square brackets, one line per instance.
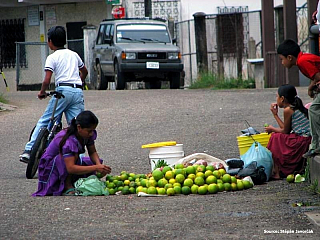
[70, 192]
[275, 178]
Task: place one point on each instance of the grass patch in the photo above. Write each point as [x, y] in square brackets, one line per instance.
[211, 81]
[313, 185]
[2, 99]
[306, 173]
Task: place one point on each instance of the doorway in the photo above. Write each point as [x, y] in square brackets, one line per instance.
[75, 37]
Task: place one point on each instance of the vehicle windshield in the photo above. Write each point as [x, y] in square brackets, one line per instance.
[142, 33]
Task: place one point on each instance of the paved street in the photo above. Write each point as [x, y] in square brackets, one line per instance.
[203, 120]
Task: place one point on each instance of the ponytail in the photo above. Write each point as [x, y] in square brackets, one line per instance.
[85, 119]
[298, 105]
[71, 130]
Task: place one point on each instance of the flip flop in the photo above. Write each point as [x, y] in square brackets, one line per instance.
[275, 179]
[70, 192]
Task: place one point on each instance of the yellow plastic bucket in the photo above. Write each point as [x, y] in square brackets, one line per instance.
[245, 142]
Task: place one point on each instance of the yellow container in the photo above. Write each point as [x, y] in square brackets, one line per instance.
[245, 142]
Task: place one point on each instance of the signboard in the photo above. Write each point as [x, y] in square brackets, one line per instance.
[33, 16]
[118, 12]
[113, 2]
[51, 17]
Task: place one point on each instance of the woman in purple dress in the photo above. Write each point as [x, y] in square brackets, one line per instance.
[60, 166]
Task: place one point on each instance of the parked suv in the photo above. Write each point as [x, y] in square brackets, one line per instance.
[135, 50]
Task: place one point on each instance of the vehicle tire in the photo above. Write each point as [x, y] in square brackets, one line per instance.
[36, 152]
[119, 78]
[155, 84]
[101, 83]
[174, 79]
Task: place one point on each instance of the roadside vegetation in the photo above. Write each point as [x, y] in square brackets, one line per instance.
[313, 184]
[2, 99]
[211, 81]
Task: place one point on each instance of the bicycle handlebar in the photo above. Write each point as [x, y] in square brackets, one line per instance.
[55, 94]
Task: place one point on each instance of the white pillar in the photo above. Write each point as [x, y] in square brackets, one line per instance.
[42, 38]
[89, 36]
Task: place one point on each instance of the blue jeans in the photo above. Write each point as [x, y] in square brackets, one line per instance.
[71, 106]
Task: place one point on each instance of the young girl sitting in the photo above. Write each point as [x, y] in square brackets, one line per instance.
[291, 140]
[60, 166]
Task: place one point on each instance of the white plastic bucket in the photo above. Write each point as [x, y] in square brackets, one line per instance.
[167, 149]
[170, 161]
[167, 155]
[170, 154]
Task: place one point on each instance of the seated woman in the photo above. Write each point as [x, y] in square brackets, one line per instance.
[291, 140]
[60, 166]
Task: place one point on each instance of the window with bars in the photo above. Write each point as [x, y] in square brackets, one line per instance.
[11, 31]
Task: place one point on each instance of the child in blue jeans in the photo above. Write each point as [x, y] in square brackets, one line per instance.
[65, 64]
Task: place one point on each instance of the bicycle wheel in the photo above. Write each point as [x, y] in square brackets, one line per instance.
[31, 132]
[36, 152]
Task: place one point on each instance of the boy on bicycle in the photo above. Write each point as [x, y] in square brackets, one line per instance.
[65, 64]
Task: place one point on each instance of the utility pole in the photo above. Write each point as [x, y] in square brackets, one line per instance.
[148, 8]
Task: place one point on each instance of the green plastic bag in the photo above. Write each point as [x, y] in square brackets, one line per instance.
[90, 186]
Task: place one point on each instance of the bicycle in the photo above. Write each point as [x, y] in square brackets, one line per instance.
[45, 136]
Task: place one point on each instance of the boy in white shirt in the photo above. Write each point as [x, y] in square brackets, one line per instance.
[65, 64]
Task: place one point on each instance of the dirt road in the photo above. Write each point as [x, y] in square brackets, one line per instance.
[204, 121]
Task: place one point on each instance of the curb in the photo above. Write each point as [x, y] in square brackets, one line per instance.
[7, 107]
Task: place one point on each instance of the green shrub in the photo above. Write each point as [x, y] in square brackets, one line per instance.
[2, 99]
[211, 81]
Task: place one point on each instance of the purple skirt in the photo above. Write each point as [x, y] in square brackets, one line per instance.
[53, 173]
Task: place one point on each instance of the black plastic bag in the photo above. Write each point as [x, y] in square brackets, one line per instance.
[257, 174]
[233, 171]
[249, 131]
[235, 163]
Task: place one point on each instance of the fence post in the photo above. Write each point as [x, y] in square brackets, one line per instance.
[290, 31]
[251, 55]
[89, 35]
[267, 36]
[314, 29]
[148, 8]
[201, 41]
[171, 26]
[17, 64]
[279, 24]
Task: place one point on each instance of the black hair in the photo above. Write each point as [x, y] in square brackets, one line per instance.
[57, 35]
[85, 119]
[289, 47]
[289, 92]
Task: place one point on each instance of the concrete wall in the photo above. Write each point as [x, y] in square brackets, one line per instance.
[93, 13]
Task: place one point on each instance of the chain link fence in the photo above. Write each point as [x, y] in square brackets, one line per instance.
[224, 36]
[30, 71]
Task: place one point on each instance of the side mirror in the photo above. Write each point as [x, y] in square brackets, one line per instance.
[174, 41]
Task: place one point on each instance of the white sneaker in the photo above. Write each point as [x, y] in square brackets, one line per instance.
[25, 156]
